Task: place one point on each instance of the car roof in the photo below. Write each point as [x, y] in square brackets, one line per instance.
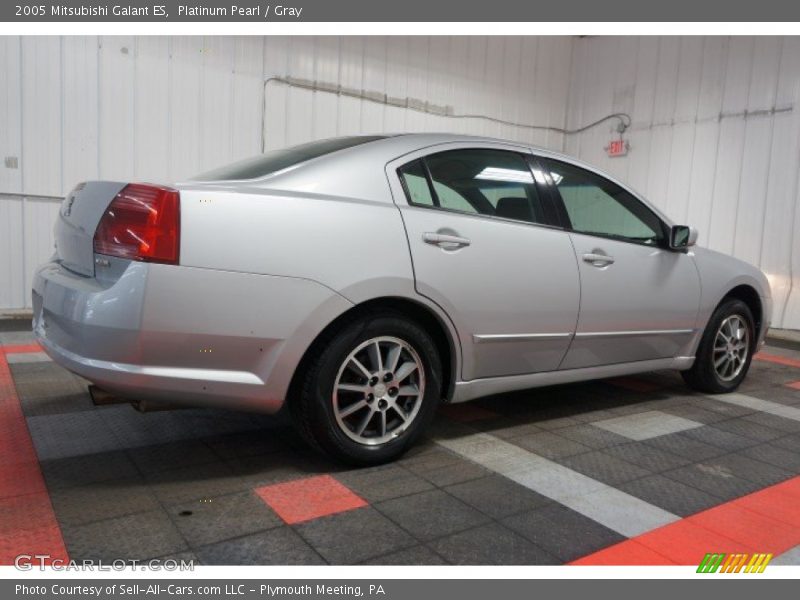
[395, 145]
[409, 142]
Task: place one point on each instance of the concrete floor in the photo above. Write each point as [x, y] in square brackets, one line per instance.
[635, 470]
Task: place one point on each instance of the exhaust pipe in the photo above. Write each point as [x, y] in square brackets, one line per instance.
[144, 406]
[104, 398]
[101, 397]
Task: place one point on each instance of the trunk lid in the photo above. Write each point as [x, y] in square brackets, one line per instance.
[77, 222]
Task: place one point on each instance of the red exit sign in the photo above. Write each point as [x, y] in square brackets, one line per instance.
[617, 148]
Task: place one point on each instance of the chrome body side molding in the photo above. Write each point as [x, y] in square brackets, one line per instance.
[613, 334]
[518, 337]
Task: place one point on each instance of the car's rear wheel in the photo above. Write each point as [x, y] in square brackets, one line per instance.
[725, 351]
[369, 389]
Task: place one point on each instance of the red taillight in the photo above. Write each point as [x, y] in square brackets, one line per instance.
[141, 223]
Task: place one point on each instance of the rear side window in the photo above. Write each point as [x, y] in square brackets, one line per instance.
[277, 160]
[598, 206]
[415, 183]
[477, 181]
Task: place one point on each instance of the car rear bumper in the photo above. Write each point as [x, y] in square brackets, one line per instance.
[181, 334]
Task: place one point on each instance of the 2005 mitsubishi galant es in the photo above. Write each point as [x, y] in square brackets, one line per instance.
[361, 280]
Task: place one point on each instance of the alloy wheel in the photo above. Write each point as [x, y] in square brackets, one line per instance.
[378, 390]
[731, 345]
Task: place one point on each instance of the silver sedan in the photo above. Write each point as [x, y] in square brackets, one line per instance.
[361, 281]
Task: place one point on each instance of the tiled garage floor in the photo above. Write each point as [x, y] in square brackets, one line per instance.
[627, 471]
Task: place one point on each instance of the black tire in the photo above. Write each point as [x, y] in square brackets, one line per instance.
[312, 407]
[703, 376]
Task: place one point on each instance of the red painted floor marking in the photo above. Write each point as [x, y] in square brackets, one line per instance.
[467, 412]
[764, 521]
[686, 543]
[634, 384]
[628, 553]
[28, 524]
[24, 513]
[781, 503]
[20, 348]
[795, 385]
[778, 360]
[747, 526]
[20, 479]
[311, 498]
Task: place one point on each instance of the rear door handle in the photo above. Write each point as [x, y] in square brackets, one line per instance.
[598, 260]
[445, 241]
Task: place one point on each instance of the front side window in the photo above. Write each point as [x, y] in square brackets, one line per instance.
[598, 206]
[476, 181]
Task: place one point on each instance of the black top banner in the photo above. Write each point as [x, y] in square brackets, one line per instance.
[401, 11]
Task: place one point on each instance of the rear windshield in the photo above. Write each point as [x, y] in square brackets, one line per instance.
[276, 160]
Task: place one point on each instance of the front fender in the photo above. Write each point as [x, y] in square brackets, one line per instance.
[719, 274]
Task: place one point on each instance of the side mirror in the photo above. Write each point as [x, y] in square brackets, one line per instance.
[682, 237]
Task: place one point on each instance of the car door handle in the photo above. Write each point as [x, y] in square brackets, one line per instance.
[598, 260]
[445, 241]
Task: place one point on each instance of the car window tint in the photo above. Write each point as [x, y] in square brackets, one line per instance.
[276, 160]
[487, 182]
[451, 199]
[416, 183]
[595, 205]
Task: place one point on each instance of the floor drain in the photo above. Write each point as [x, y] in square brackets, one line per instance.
[185, 513]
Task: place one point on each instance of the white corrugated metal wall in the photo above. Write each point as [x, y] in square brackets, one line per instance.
[715, 139]
[164, 108]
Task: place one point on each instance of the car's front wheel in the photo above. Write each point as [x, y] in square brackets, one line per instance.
[725, 350]
[369, 389]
